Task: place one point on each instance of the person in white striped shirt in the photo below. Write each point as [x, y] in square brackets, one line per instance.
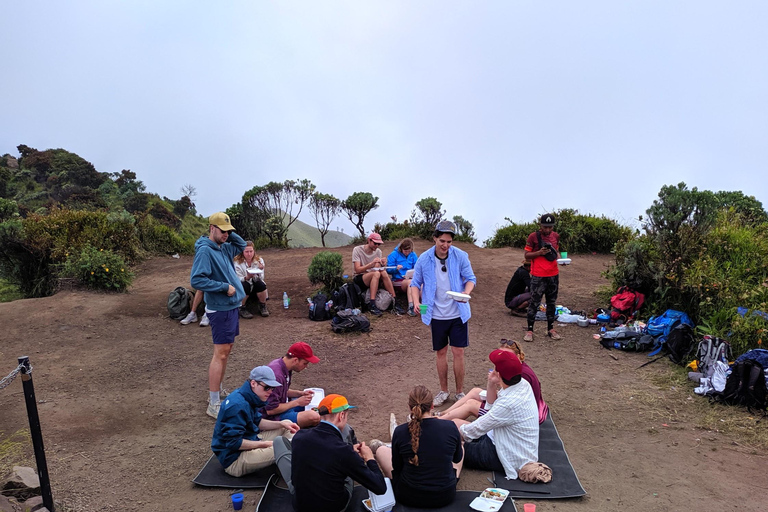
[506, 438]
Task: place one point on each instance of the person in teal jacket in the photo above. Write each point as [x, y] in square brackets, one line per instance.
[403, 259]
[441, 269]
[213, 272]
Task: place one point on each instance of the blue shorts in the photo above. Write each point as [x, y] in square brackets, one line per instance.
[225, 325]
[452, 331]
[291, 414]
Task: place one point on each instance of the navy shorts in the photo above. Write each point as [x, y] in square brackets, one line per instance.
[481, 454]
[225, 325]
[453, 332]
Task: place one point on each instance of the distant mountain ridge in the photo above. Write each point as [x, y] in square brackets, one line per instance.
[301, 234]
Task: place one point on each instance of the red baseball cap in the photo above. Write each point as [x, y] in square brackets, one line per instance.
[376, 238]
[507, 363]
[303, 351]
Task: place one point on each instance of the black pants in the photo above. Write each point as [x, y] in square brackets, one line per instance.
[543, 286]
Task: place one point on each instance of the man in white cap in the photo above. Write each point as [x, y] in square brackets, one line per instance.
[366, 258]
[242, 439]
[213, 272]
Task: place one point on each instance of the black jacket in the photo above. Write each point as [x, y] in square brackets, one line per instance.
[520, 283]
[321, 461]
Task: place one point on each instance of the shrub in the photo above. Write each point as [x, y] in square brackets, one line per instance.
[159, 238]
[327, 268]
[98, 269]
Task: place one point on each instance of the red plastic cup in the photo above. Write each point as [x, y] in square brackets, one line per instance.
[529, 507]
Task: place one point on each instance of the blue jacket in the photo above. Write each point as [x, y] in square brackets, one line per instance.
[213, 271]
[238, 419]
[396, 258]
[459, 272]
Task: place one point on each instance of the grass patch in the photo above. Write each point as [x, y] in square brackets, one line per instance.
[8, 292]
[12, 450]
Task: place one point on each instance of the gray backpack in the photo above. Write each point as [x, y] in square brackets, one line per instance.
[180, 302]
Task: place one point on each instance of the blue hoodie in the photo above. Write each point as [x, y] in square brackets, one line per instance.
[213, 271]
[238, 419]
[396, 258]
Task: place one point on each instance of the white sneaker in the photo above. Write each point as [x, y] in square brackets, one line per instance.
[213, 409]
[191, 317]
[440, 398]
[459, 396]
[204, 321]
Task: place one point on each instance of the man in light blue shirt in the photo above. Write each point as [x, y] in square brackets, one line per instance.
[441, 269]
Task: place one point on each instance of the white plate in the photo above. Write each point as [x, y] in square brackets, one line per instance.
[409, 274]
[485, 505]
[564, 261]
[255, 271]
[459, 297]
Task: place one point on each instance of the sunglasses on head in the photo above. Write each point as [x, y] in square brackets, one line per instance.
[266, 388]
[509, 343]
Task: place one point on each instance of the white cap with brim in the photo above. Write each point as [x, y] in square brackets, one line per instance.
[264, 374]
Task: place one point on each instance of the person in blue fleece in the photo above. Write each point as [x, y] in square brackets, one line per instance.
[242, 439]
[213, 272]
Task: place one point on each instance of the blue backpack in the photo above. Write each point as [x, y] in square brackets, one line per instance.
[660, 326]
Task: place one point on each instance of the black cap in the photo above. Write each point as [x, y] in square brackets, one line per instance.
[547, 219]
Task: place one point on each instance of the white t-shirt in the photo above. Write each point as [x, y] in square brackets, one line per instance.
[445, 307]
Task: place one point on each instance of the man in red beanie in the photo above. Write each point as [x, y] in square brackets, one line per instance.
[285, 403]
[506, 438]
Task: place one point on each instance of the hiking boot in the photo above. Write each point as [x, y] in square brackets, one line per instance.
[459, 396]
[204, 322]
[553, 334]
[263, 311]
[213, 409]
[191, 317]
[398, 310]
[411, 311]
[528, 336]
[244, 313]
[223, 392]
[440, 398]
[392, 425]
[374, 310]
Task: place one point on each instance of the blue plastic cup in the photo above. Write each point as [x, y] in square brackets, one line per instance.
[237, 501]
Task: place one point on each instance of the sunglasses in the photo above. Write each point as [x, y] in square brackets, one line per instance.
[509, 343]
[442, 260]
[266, 388]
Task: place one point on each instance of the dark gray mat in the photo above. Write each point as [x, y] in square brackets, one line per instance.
[564, 484]
[213, 475]
[276, 499]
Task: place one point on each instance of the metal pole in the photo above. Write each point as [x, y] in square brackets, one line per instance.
[35, 432]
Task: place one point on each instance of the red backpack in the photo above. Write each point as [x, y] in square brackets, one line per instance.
[625, 304]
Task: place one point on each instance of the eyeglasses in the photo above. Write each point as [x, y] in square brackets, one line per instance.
[266, 388]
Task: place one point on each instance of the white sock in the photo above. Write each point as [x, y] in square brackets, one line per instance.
[214, 397]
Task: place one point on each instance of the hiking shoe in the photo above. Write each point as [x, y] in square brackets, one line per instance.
[440, 398]
[374, 310]
[553, 334]
[528, 336]
[375, 444]
[223, 392]
[213, 409]
[244, 313]
[392, 425]
[204, 322]
[411, 311]
[191, 317]
[459, 396]
[398, 310]
[263, 311]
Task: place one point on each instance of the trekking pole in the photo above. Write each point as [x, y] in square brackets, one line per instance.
[35, 432]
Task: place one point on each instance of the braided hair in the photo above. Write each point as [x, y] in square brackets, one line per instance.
[420, 402]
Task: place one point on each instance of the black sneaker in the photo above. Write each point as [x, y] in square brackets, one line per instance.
[374, 310]
[398, 310]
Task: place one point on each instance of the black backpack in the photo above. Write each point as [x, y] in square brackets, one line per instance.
[317, 310]
[552, 254]
[349, 296]
[179, 302]
[680, 343]
[345, 321]
[745, 386]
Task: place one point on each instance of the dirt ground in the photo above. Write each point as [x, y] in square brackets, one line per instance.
[122, 391]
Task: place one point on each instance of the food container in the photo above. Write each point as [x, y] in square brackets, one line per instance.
[582, 321]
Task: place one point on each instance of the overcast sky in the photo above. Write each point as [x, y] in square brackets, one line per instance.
[497, 108]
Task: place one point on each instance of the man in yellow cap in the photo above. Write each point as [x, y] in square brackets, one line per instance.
[214, 273]
[324, 465]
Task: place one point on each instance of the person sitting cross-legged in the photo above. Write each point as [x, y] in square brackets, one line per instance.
[285, 403]
[370, 271]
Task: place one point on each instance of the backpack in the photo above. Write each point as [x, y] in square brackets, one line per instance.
[552, 254]
[317, 311]
[680, 343]
[627, 340]
[625, 304]
[711, 350]
[383, 299]
[745, 385]
[346, 321]
[348, 296]
[179, 302]
[660, 326]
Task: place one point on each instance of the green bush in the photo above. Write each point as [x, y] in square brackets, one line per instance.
[160, 239]
[98, 269]
[326, 268]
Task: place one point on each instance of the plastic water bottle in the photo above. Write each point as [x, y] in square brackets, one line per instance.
[328, 305]
[356, 311]
[602, 329]
[616, 344]
[286, 300]
[311, 305]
